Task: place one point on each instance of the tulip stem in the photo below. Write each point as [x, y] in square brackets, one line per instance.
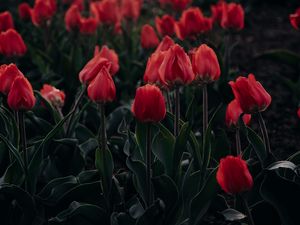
[205, 109]
[264, 133]
[177, 112]
[238, 142]
[148, 165]
[23, 145]
[168, 101]
[248, 212]
[102, 132]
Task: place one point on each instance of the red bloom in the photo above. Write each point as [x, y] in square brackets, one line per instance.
[43, 11]
[295, 19]
[217, 11]
[24, 11]
[191, 23]
[165, 44]
[102, 89]
[72, 18]
[94, 11]
[149, 38]
[20, 96]
[111, 56]
[298, 112]
[6, 21]
[233, 113]
[12, 44]
[176, 67]
[149, 104]
[233, 175]
[205, 64]
[92, 68]
[88, 25]
[131, 9]
[151, 74]
[109, 11]
[8, 74]
[232, 16]
[165, 25]
[250, 94]
[178, 5]
[53, 95]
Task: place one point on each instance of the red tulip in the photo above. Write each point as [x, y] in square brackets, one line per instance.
[94, 11]
[43, 11]
[79, 3]
[53, 95]
[102, 89]
[12, 44]
[298, 112]
[109, 12]
[165, 44]
[111, 56]
[131, 9]
[178, 5]
[205, 64]
[20, 96]
[24, 10]
[233, 175]
[217, 11]
[165, 25]
[233, 113]
[149, 38]
[92, 68]
[149, 104]
[72, 18]
[88, 26]
[250, 94]
[232, 16]
[295, 19]
[176, 67]
[191, 23]
[151, 74]
[6, 21]
[8, 74]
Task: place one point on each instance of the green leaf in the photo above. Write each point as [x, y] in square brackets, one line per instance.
[233, 215]
[282, 164]
[140, 135]
[282, 56]
[153, 215]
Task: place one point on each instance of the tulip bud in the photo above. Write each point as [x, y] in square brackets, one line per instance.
[131, 9]
[176, 67]
[149, 38]
[6, 21]
[295, 19]
[151, 74]
[24, 11]
[217, 11]
[88, 26]
[72, 18]
[233, 175]
[109, 12]
[53, 95]
[180, 5]
[43, 11]
[165, 25]
[165, 44]
[102, 89]
[250, 94]
[233, 113]
[111, 56]
[298, 112]
[8, 73]
[12, 44]
[20, 96]
[232, 16]
[149, 104]
[205, 64]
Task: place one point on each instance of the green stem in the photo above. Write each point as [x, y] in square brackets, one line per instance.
[264, 133]
[238, 142]
[248, 212]
[205, 109]
[148, 167]
[177, 112]
[102, 131]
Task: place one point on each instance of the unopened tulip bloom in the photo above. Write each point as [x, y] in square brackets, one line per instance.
[178, 5]
[250, 94]
[217, 11]
[111, 56]
[8, 73]
[6, 21]
[298, 112]
[131, 9]
[151, 74]
[53, 95]
[149, 104]
[165, 25]
[102, 89]
[149, 38]
[233, 175]
[24, 10]
[165, 44]
[176, 67]
[43, 11]
[233, 113]
[20, 96]
[232, 16]
[205, 64]
[295, 19]
[109, 11]
[72, 18]
[12, 44]
[88, 26]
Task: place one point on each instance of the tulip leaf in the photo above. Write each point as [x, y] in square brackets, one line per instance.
[153, 214]
[140, 134]
[282, 164]
[233, 215]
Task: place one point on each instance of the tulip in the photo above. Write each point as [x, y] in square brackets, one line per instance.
[165, 44]
[92, 68]
[131, 9]
[250, 94]
[151, 74]
[298, 112]
[73, 18]
[205, 64]
[109, 12]
[165, 25]
[217, 11]
[295, 19]
[79, 3]
[53, 95]
[6, 21]
[232, 16]
[191, 23]
[8, 73]
[12, 44]
[102, 89]
[233, 175]
[111, 56]
[178, 5]
[20, 96]
[233, 113]
[88, 26]
[149, 38]
[24, 10]
[94, 11]
[43, 11]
